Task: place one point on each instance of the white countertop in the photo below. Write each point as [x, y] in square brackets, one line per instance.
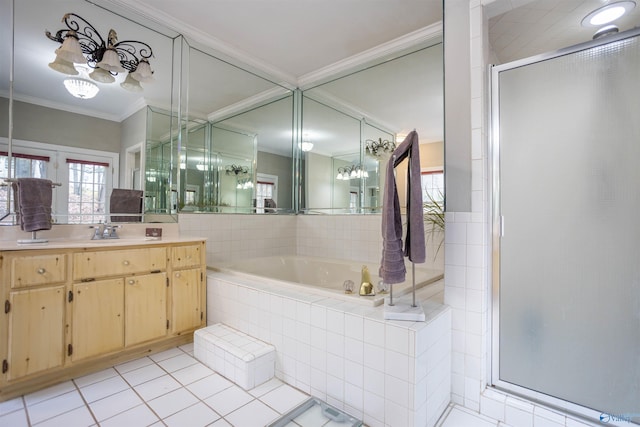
[79, 236]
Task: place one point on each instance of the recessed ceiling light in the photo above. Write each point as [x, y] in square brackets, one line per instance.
[607, 13]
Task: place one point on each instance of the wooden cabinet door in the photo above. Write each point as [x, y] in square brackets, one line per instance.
[145, 312]
[185, 298]
[186, 256]
[36, 331]
[98, 318]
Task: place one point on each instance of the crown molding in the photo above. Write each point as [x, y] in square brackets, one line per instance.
[413, 39]
[251, 102]
[198, 36]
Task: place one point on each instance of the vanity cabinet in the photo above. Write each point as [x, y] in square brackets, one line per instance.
[71, 311]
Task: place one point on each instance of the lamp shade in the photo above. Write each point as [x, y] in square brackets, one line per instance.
[71, 50]
[81, 88]
[102, 76]
[111, 61]
[143, 73]
[63, 66]
[131, 84]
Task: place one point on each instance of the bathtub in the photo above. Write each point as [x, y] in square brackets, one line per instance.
[325, 276]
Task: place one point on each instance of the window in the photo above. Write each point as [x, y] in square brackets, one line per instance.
[22, 166]
[86, 178]
[266, 189]
[432, 186]
[87, 187]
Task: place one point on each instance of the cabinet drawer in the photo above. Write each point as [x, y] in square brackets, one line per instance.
[91, 265]
[185, 256]
[38, 270]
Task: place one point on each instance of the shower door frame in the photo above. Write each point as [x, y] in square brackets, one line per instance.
[496, 230]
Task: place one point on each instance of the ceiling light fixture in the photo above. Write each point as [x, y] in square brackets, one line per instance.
[81, 43]
[608, 13]
[605, 31]
[81, 87]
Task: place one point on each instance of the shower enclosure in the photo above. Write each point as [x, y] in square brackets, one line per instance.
[565, 170]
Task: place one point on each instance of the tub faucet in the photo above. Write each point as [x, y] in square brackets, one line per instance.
[366, 287]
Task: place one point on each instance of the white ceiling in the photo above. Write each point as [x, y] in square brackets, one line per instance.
[523, 28]
[291, 38]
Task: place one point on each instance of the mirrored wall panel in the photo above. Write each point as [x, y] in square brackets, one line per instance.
[354, 122]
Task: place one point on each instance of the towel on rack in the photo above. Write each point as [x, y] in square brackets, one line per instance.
[125, 201]
[33, 198]
[392, 268]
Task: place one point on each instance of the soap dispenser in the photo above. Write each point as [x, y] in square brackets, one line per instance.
[366, 287]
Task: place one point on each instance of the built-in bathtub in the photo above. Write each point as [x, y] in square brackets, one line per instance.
[339, 348]
[326, 276]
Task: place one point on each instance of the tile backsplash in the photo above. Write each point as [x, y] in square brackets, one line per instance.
[352, 237]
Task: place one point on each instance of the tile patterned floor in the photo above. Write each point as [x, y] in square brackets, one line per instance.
[168, 389]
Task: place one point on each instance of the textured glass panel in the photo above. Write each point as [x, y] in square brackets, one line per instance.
[570, 254]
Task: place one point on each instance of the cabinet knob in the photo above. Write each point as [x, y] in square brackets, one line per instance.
[132, 282]
[41, 270]
[125, 262]
[177, 274]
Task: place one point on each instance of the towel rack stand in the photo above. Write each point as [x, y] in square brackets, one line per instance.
[53, 184]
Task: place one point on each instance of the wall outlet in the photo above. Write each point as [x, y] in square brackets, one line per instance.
[153, 233]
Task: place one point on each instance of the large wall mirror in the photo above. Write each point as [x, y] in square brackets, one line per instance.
[206, 135]
[349, 118]
[88, 145]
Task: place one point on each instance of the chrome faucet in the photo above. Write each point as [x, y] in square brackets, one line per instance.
[105, 231]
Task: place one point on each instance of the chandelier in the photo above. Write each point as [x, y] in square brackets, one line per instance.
[352, 172]
[238, 171]
[83, 44]
[379, 147]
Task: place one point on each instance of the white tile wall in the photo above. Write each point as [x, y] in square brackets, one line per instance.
[353, 237]
[387, 373]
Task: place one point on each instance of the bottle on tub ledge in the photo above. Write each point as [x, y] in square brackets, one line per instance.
[366, 287]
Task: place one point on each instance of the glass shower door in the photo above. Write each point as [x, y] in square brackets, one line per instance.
[567, 202]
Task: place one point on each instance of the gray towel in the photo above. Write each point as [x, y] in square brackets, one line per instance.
[33, 197]
[392, 268]
[125, 201]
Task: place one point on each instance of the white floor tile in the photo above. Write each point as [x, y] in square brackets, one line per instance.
[102, 389]
[95, 377]
[460, 418]
[187, 348]
[11, 405]
[265, 388]
[284, 398]
[167, 354]
[114, 404]
[254, 414]
[172, 402]
[157, 387]
[192, 373]
[139, 415]
[193, 416]
[49, 392]
[229, 400]
[133, 365]
[178, 362]
[221, 423]
[55, 406]
[143, 374]
[209, 386]
[79, 417]
[14, 419]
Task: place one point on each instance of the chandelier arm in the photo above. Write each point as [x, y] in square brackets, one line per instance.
[131, 52]
[91, 42]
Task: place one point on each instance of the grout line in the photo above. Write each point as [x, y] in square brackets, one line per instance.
[86, 404]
